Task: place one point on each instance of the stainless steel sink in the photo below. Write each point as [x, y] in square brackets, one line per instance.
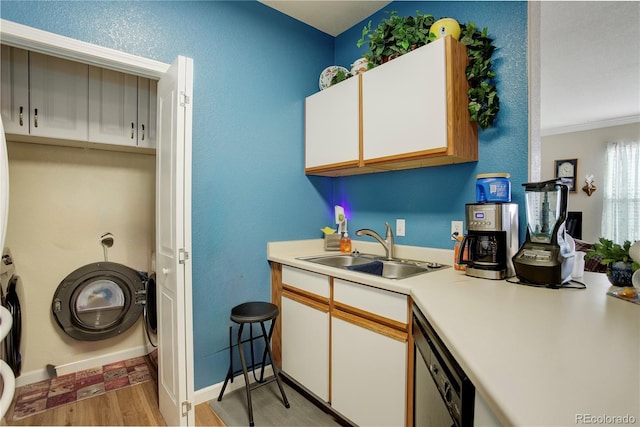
[396, 268]
[343, 260]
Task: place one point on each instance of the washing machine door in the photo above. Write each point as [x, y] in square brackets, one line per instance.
[99, 301]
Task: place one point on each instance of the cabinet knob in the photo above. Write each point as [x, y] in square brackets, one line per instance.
[21, 120]
[35, 117]
[142, 137]
[133, 128]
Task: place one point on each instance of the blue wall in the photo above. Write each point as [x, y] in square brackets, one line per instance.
[253, 69]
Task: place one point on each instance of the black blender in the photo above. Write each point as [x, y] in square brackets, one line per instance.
[547, 255]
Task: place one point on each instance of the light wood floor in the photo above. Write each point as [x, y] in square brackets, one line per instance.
[131, 406]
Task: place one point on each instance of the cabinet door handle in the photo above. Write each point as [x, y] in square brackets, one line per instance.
[35, 118]
[133, 127]
[21, 120]
[142, 138]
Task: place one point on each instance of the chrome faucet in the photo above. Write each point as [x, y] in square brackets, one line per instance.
[387, 243]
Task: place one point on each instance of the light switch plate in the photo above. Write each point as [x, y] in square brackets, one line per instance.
[400, 227]
[456, 227]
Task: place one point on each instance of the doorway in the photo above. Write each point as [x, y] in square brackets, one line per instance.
[176, 343]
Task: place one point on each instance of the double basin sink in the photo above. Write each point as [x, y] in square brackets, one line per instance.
[396, 268]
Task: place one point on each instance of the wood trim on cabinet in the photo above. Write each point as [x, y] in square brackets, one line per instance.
[384, 321]
[408, 157]
[331, 335]
[333, 169]
[306, 298]
[376, 327]
[459, 124]
[276, 298]
[360, 125]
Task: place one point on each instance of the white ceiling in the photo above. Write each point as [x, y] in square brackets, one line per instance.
[589, 54]
[589, 63]
[329, 16]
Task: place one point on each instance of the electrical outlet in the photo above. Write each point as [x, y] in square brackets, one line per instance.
[400, 227]
[456, 227]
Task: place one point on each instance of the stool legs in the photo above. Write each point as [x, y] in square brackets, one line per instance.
[230, 370]
[246, 375]
[276, 371]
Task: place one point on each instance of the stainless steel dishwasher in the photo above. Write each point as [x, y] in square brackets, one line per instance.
[443, 394]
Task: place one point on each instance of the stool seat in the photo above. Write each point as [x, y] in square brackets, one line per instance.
[253, 312]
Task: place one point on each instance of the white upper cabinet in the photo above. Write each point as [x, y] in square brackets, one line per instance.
[411, 112]
[147, 104]
[122, 108]
[332, 127]
[43, 95]
[113, 107]
[58, 101]
[15, 90]
[58, 97]
[404, 104]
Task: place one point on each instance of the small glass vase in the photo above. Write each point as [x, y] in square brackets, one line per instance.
[620, 273]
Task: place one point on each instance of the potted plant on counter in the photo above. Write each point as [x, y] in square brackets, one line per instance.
[620, 265]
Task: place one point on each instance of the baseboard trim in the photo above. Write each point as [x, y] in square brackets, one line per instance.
[67, 368]
[211, 392]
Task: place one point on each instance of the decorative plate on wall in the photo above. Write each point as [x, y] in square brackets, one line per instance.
[328, 74]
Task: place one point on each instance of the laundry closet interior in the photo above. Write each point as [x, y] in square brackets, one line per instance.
[82, 173]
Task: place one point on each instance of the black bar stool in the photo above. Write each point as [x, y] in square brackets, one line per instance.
[250, 313]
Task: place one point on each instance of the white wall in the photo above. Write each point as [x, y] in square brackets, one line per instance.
[62, 200]
[589, 148]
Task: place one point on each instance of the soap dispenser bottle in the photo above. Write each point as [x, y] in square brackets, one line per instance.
[345, 241]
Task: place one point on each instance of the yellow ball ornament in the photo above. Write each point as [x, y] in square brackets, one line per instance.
[446, 26]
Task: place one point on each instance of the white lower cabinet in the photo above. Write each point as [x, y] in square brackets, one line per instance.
[305, 345]
[345, 342]
[368, 375]
[304, 315]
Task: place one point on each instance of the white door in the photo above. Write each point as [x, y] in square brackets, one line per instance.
[4, 186]
[173, 244]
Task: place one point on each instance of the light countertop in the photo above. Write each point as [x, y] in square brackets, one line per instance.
[538, 357]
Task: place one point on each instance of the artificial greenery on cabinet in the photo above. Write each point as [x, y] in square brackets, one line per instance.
[397, 35]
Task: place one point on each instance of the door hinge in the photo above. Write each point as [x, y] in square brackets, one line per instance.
[186, 407]
[182, 256]
[184, 99]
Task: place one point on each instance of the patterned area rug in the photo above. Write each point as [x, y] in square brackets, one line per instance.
[38, 397]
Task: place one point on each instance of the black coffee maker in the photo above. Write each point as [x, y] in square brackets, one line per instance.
[491, 240]
[547, 255]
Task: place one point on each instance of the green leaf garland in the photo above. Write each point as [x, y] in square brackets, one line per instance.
[398, 35]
